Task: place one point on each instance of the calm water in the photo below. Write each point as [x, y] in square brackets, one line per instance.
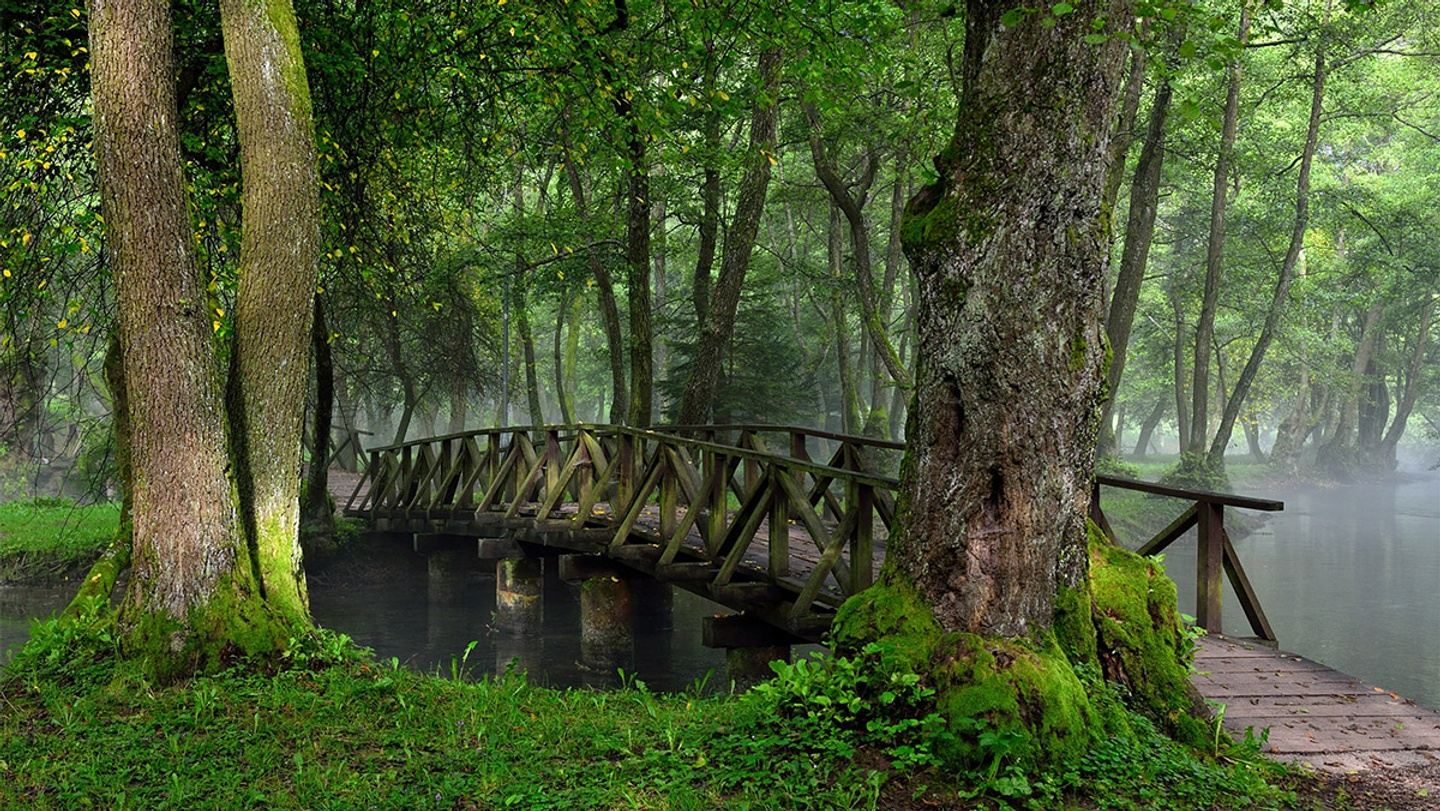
[1349, 576]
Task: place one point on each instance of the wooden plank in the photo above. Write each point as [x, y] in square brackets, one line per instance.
[1208, 568]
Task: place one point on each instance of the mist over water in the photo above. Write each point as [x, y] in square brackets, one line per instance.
[1349, 575]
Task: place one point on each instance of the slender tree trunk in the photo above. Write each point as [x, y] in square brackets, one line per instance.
[835, 249]
[637, 276]
[1182, 400]
[1135, 256]
[709, 214]
[1125, 121]
[562, 384]
[1008, 384]
[1410, 393]
[697, 404]
[609, 309]
[852, 205]
[1281, 298]
[1214, 252]
[192, 590]
[521, 306]
[1338, 453]
[1147, 428]
[317, 516]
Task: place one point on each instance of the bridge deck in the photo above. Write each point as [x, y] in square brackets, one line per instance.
[1316, 715]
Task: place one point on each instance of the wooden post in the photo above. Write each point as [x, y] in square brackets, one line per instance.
[1209, 557]
[669, 496]
[719, 500]
[862, 543]
[779, 558]
[625, 482]
[752, 468]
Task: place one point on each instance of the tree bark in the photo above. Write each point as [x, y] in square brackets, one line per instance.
[698, 402]
[1281, 298]
[853, 207]
[1410, 393]
[835, 251]
[317, 514]
[609, 309]
[1147, 428]
[1338, 452]
[562, 384]
[1008, 385]
[1139, 235]
[1215, 251]
[192, 589]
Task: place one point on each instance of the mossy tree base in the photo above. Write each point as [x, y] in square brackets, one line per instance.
[1047, 692]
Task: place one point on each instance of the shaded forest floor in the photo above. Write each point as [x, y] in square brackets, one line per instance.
[358, 733]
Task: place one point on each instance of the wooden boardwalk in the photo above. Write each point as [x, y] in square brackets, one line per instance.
[1317, 716]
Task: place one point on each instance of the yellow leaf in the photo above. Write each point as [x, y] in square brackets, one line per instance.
[215, 326]
[20, 134]
[7, 273]
[62, 323]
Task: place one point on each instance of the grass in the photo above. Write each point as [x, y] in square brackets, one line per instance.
[354, 733]
[47, 540]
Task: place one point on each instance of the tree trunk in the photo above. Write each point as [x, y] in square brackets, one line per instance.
[1214, 252]
[996, 484]
[279, 268]
[697, 404]
[192, 590]
[562, 384]
[521, 306]
[1410, 392]
[709, 213]
[318, 513]
[1182, 399]
[835, 250]
[637, 275]
[1147, 428]
[1337, 455]
[1139, 235]
[609, 309]
[1281, 298]
[853, 207]
[1125, 121]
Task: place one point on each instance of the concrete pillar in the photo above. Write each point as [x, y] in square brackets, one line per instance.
[607, 622]
[447, 569]
[519, 603]
[750, 666]
[750, 646]
[525, 654]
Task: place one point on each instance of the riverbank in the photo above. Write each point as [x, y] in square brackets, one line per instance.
[46, 541]
[358, 733]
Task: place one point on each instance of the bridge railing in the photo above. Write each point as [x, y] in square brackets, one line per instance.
[779, 533]
[699, 502]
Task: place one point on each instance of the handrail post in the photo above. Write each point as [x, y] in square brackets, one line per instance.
[779, 558]
[862, 543]
[1209, 559]
[625, 479]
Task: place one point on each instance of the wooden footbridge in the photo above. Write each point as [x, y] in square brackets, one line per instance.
[782, 524]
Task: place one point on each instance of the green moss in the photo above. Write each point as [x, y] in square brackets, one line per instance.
[1024, 688]
[930, 227]
[281, 14]
[1142, 645]
[1075, 625]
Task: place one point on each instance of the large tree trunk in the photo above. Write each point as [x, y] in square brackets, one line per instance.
[996, 484]
[1215, 252]
[279, 267]
[1139, 235]
[562, 381]
[192, 590]
[1281, 298]
[697, 405]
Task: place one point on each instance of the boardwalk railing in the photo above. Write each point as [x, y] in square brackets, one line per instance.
[699, 506]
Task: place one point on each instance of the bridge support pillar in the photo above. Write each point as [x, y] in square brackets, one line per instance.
[519, 603]
[607, 612]
[750, 646]
[447, 570]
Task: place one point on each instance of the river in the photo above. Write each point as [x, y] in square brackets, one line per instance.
[1348, 575]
